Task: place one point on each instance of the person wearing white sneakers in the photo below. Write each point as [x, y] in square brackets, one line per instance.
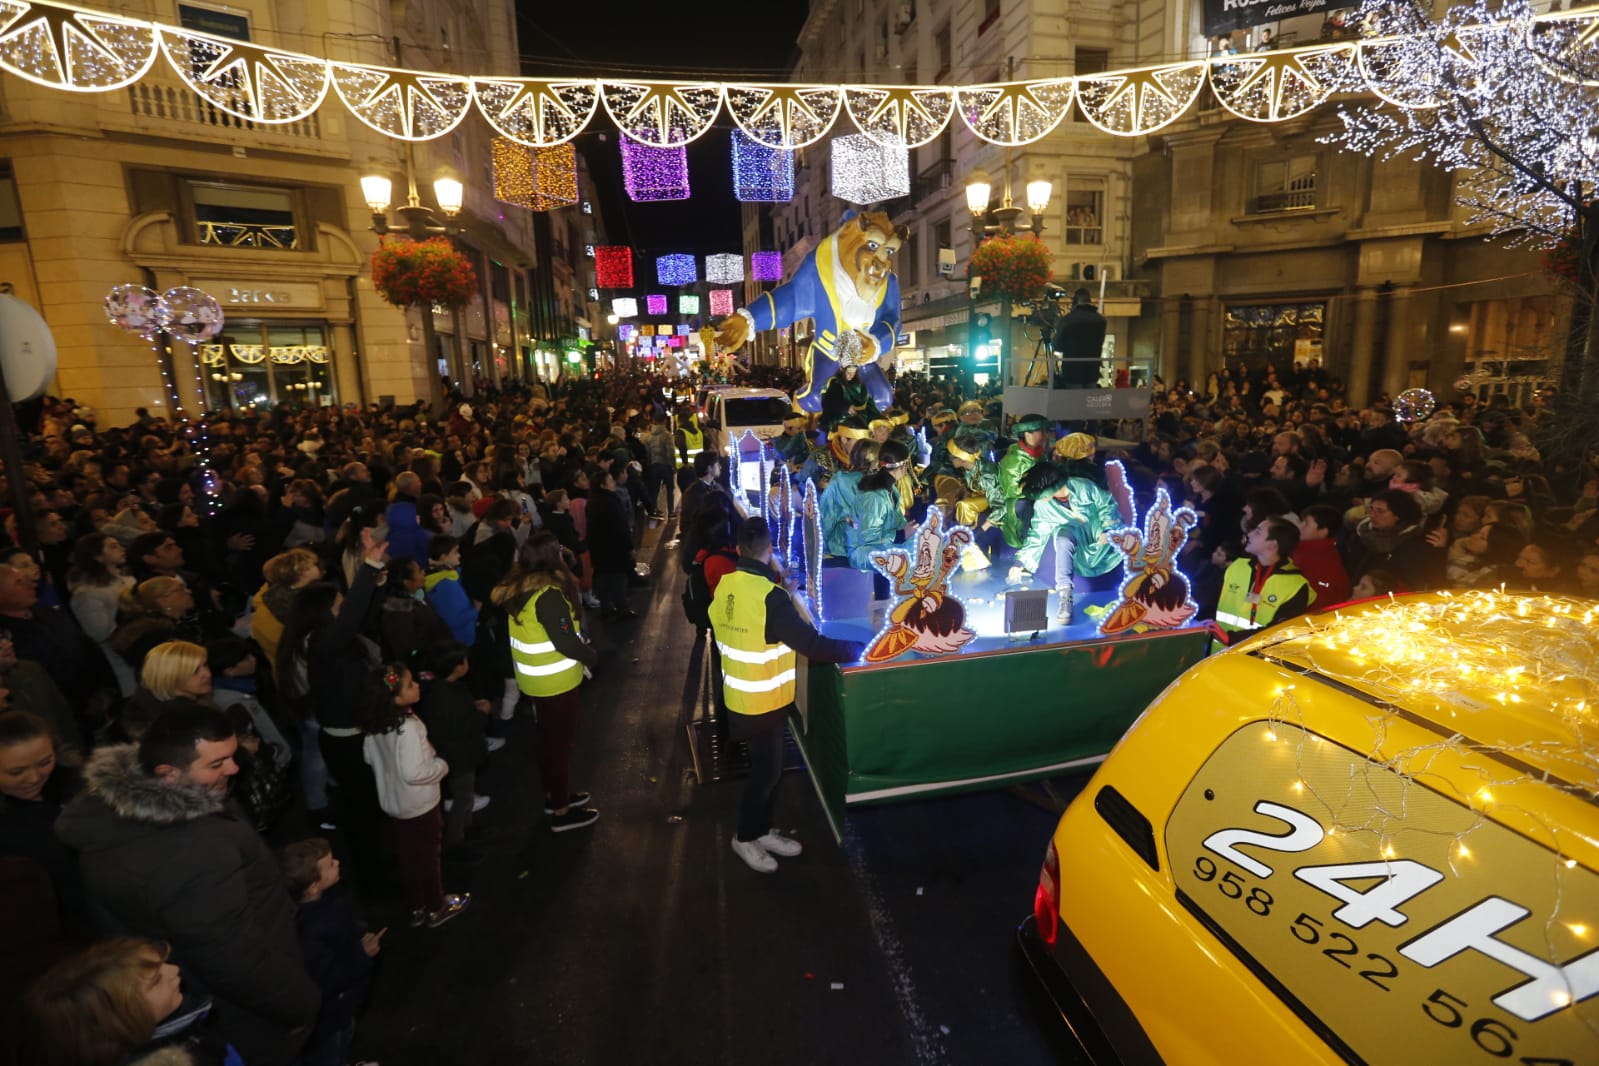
[759, 634]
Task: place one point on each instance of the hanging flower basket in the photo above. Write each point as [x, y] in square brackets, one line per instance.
[408, 272]
[1015, 266]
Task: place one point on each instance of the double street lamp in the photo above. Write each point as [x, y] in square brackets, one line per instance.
[418, 222]
[979, 189]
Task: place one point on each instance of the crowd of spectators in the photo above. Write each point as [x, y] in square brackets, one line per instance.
[280, 630]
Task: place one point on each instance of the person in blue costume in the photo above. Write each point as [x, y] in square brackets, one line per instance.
[876, 519]
[1076, 513]
[847, 285]
[836, 508]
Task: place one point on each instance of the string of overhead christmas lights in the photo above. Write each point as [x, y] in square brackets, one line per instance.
[81, 50]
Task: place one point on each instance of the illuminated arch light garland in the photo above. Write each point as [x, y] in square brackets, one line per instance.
[408, 105]
[1130, 103]
[724, 269]
[536, 112]
[677, 269]
[1012, 114]
[1274, 86]
[81, 50]
[247, 80]
[662, 115]
[651, 174]
[899, 116]
[784, 116]
[866, 171]
[68, 48]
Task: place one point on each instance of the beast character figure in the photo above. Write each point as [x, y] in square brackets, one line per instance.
[848, 286]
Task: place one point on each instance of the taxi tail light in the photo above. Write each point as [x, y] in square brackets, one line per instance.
[1129, 823]
[1046, 901]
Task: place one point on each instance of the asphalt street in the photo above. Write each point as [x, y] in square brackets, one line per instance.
[646, 940]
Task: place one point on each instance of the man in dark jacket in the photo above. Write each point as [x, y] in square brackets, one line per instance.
[165, 854]
[1080, 341]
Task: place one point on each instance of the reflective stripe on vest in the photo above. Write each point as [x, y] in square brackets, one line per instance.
[540, 669]
[757, 677]
[693, 443]
[1233, 609]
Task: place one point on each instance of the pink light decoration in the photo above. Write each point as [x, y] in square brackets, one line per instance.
[613, 267]
[721, 301]
[674, 342]
[766, 266]
[651, 174]
[655, 304]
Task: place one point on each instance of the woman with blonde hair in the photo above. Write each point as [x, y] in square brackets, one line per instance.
[115, 1002]
[286, 574]
[156, 610]
[174, 674]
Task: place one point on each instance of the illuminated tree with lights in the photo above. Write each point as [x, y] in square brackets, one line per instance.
[1505, 102]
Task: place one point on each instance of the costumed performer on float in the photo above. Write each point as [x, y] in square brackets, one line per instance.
[848, 286]
[1033, 436]
[836, 506]
[833, 454]
[1077, 513]
[794, 445]
[876, 517]
[972, 494]
[846, 395]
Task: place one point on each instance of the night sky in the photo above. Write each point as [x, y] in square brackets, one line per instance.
[714, 39]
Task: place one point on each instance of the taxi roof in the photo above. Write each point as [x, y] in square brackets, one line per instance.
[1512, 673]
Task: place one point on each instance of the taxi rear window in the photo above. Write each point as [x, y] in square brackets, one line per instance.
[1400, 923]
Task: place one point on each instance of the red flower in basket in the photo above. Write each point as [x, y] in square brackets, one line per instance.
[1014, 266]
[408, 272]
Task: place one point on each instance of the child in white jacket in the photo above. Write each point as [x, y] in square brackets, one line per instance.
[408, 772]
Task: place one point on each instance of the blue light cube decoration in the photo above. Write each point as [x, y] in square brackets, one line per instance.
[677, 269]
[761, 174]
[725, 269]
[683, 329]
[688, 304]
[650, 173]
[865, 172]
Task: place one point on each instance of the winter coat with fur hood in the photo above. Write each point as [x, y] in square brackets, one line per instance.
[182, 864]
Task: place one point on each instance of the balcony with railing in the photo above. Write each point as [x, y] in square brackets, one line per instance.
[161, 105]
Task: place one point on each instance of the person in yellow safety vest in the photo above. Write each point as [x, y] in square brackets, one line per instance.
[1263, 586]
[690, 436]
[540, 597]
[760, 636]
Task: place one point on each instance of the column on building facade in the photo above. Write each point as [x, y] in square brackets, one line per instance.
[1199, 356]
[1171, 332]
[1357, 379]
[346, 360]
[1396, 348]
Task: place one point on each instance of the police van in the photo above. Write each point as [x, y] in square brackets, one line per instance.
[1369, 836]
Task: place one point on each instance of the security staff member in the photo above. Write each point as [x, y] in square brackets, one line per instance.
[760, 635]
[1263, 586]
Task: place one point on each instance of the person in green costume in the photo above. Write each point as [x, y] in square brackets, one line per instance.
[875, 515]
[1033, 436]
[972, 496]
[836, 506]
[1075, 512]
[794, 446]
[846, 395]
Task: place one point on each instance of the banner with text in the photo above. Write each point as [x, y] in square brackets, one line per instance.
[1226, 16]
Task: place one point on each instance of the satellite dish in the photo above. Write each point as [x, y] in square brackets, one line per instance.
[27, 349]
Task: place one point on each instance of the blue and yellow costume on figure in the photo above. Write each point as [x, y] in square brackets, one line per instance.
[848, 288]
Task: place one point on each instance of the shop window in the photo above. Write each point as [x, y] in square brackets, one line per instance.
[1262, 335]
[256, 365]
[10, 206]
[907, 263]
[244, 216]
[219, 22]
[990, 16]
[1084, 205]
[1285, 184]
[1092, 60]
[942, 56]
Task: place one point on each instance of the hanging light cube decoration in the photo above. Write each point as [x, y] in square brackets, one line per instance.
[683, 329]
[761, 174]
[688, 304]
[766, 266]
[613, 267]
[650, 174]
[625, 331]
[555, 170]
[865, 172]
[624, 307]
[721, 301]
[655, 304]
[540, 179]
[677, 269]
[724, 269]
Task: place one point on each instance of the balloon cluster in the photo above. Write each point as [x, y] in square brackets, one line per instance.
[1414, 405]
[187, 313]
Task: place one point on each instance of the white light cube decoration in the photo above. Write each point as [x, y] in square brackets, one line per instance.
[865, 172]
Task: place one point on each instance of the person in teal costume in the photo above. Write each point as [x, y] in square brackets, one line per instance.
[876, 519]
[1075, 512]
[836, 506]
[1033, 436]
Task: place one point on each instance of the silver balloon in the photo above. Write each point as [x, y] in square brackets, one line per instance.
[134, 308]
[1414, 405]
[190, 314]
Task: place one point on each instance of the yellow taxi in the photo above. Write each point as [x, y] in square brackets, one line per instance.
[1369, 836]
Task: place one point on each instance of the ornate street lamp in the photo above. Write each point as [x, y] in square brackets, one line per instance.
[979, 189]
